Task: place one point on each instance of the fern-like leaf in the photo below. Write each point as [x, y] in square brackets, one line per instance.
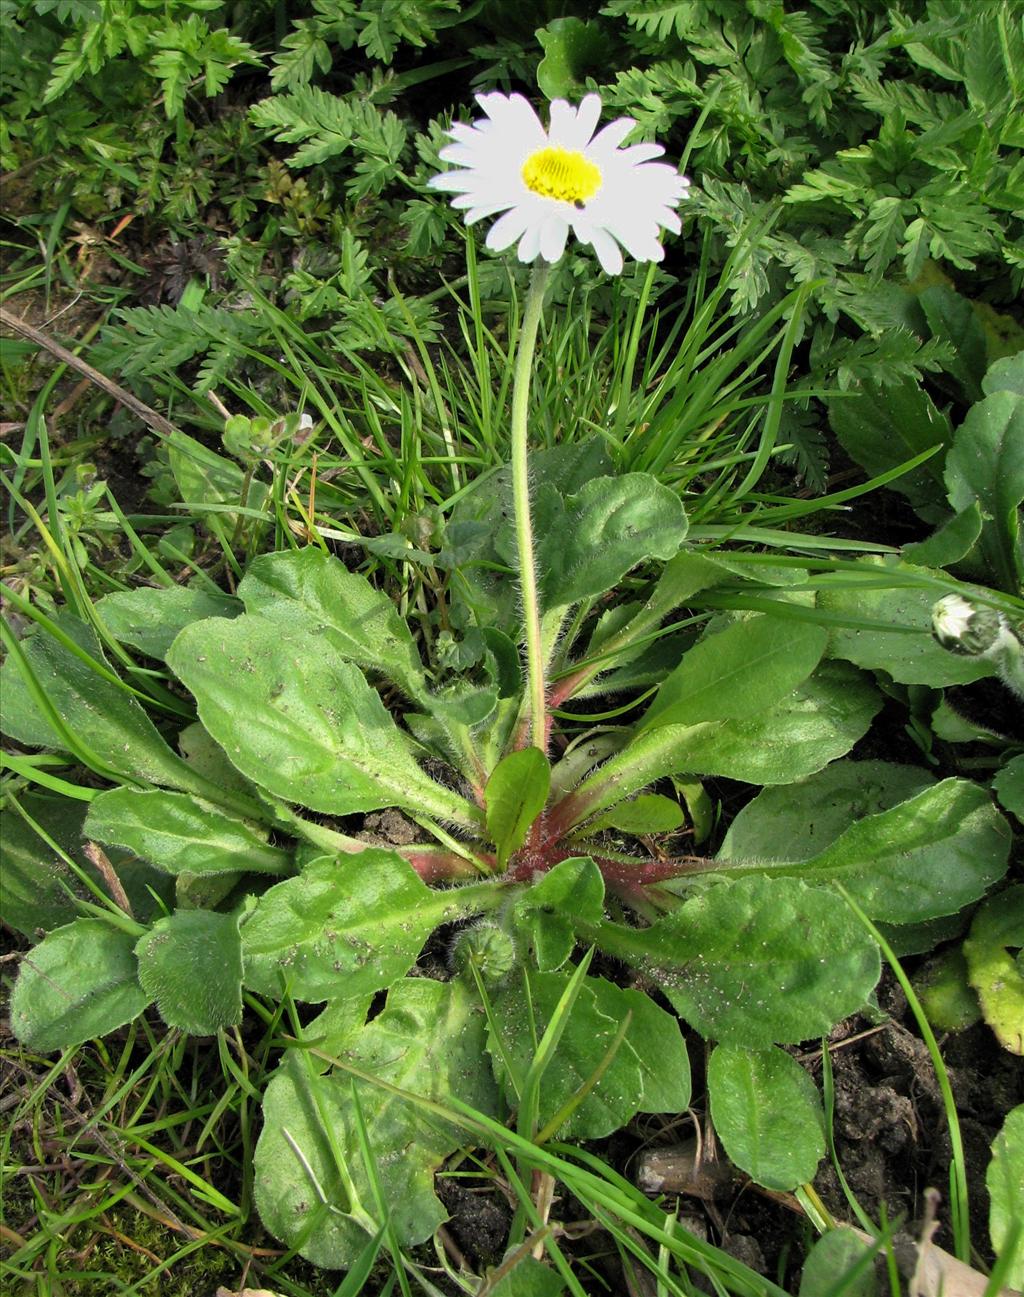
[323, 124]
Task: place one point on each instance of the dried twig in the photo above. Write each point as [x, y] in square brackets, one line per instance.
[149, 417]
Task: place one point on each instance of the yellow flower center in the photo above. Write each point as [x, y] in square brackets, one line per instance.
[562, 174]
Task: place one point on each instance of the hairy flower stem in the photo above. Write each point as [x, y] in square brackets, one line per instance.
[521, 504]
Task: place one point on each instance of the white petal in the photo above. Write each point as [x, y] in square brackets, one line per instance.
[514, 114]
[529, 244]
[587, 116]
[562, 120]
[553, 235]
[456, 181]
[462, 155]
[504, 232]
[607, 252]
[611, 137]
[637, 233]
[637, 153]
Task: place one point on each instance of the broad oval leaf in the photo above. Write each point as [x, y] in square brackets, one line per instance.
[38, 888]
[738, 672]
[181, 834]
[658, 1042]
[79, 983]
[767, 1113]
[593, 538]
[935, 851]
[996, 973]
[986, 465]
[107, 719]
[205, 478]
[302, 722]
[831, 1261]
[798, 821]
[361, 623]
[1008, 786]
[515, 795]
[882, 427]
[150, 618]
[648, 813]
[480, 537]
[547, 913]
[191, 963]
[931, 855]
[1004, 1180]
[908, 652]
[428, 1040]
[343, 927]
[819, 721]
[586, 1038]
[757, 961]
[572, 50]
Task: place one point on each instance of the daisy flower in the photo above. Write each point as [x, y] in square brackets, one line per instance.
[548, 182]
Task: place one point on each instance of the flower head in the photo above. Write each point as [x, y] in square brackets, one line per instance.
[962, 628]
[548, 182]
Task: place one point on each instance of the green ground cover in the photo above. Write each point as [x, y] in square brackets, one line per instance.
[469, 721]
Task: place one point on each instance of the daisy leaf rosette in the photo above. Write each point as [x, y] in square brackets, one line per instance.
[548, 182]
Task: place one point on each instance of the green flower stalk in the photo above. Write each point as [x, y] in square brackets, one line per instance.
[537, 689]
[963, 628]
[548, 183]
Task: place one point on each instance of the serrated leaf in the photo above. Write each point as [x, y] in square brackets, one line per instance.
[1004, 1180]
[149, 618]
[79, 983]
[180, 834]
[756, 961]
[344, 927]
[429, 1040]
[515, 795]
[321, 123]
[740, 671]
[995, 972]
[767, 1113]
[301, 722]
[191, 963]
